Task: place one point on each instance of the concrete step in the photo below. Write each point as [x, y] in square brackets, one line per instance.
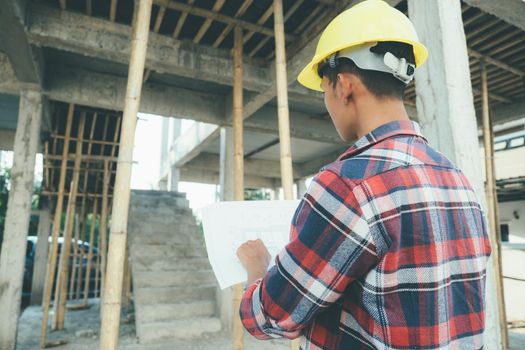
[155, 234]
[179, 251]
[188, 328]
[172, 278]
[169, 263]
[166, 312]
[168, 216]
[152, 295]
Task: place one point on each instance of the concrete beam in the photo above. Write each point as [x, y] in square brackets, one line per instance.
[211, 177]
[511, 11]
[96, 37]
[106, 91]
[506, 113]
[313, 166]
[255, 167]
[26, 60]
[7, 138]
[8, 82]
[194, 140]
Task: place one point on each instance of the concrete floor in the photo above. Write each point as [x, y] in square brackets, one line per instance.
[82, 333]
[83, 328]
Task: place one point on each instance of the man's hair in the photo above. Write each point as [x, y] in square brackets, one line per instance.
[380, 84]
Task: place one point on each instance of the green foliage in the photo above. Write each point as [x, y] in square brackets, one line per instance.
[256, 194]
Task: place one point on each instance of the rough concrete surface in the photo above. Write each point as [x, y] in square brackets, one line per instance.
[82, 333]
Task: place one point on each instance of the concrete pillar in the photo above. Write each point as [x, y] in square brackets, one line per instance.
[226, 163]
[446, 112]
[42, 247]
[173, 178]
[225, 297]
[301, 188]
[17, 216]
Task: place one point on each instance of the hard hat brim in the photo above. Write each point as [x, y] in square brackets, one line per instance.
[309, 78]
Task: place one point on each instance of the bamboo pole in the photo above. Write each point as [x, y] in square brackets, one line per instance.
[90, 252]
[52, 257]
[74, 258]
[490, 187]
[103, 230]
[60, 305]
[109, 328]
[282, 110]
[238, 170]
[282, 102]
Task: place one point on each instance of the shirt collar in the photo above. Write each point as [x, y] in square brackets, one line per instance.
[390, 129]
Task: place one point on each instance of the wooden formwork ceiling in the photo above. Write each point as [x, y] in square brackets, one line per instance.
[100, 144]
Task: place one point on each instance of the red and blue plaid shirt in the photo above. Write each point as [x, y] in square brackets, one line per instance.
[388, 250]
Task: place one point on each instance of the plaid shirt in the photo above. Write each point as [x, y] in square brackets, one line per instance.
[388, 250]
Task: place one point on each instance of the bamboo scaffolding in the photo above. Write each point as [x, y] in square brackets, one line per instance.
[242, 9]
[74, 257]
[282, 111]
[51, 262]
[109, 328]
[282, 102]
[60, 306]
[90, 251]
[490, 187]
[238, 170]
[103, 229]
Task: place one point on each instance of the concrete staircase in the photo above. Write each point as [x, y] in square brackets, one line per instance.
[173, 285]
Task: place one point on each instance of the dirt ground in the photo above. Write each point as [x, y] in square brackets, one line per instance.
[82, 333]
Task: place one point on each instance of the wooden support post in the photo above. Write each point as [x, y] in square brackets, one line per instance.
[238, 170]
[126, 284]
[60, 303]
[492, 205]
[51, 261]
[18, 214]
[282, 102]
[282, 110]
[103, 230]
[109, 329]
[90, 252]
[97, 266]
[42, 248]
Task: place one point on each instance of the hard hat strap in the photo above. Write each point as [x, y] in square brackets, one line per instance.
[365, 59]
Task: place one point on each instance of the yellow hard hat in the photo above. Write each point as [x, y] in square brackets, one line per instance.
[364, 24]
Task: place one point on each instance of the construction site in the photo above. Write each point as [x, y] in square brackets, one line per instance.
[87, 262]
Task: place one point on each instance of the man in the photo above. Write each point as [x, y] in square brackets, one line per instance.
[388, 247]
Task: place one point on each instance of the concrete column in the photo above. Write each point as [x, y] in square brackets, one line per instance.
[225, 297]
[445, 109]
[301, 188]
[42, 247]
[17, 216]
[226, 164]
[173, 178]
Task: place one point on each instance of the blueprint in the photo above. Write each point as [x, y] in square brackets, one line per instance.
[227, 225]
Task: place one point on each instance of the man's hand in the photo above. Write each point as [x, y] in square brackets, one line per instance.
[255, 258]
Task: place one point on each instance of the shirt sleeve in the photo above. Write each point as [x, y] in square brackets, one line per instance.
[331, 245]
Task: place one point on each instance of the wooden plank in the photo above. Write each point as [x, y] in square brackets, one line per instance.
[242, 9]
[207, 23]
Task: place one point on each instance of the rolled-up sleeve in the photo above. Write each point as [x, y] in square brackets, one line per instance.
[331, 245]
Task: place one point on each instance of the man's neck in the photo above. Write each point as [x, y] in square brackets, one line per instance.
[374, 113]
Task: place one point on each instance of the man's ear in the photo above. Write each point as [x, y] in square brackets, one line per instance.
[345, 83]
